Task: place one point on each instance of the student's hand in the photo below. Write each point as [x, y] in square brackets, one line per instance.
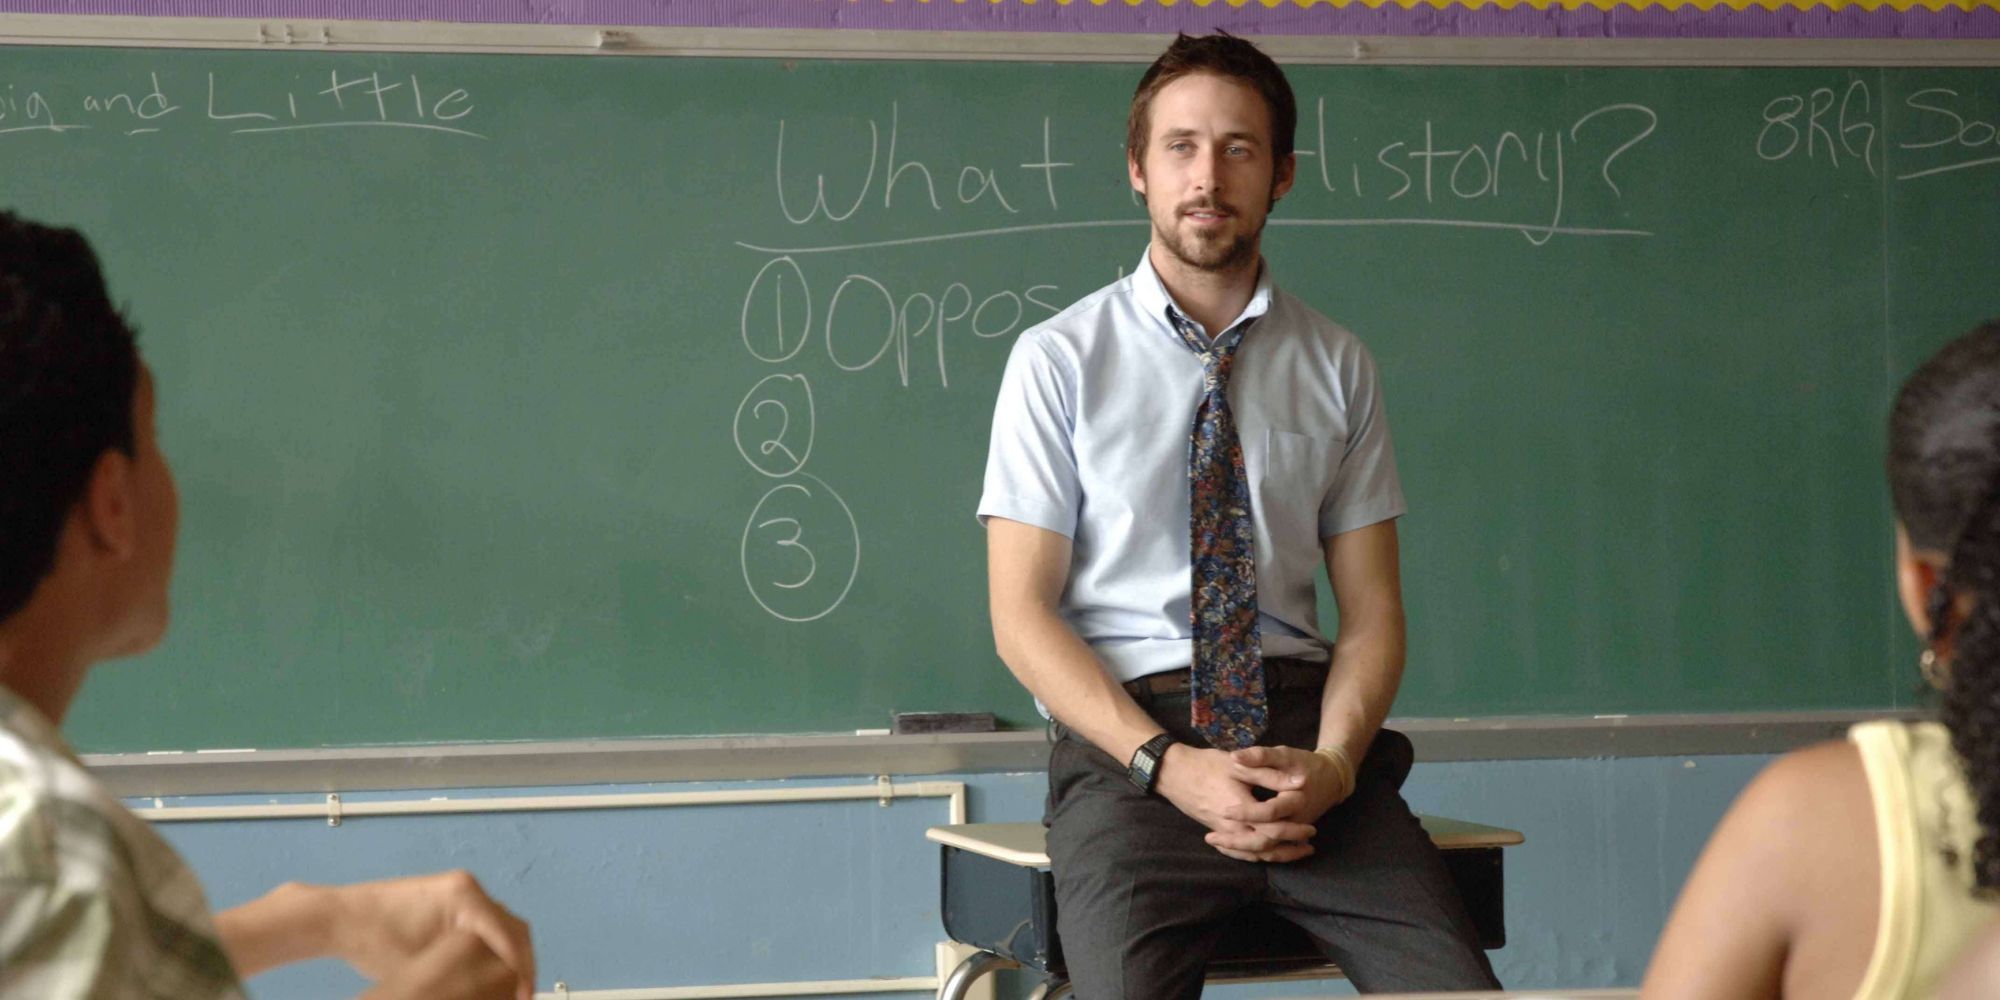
[1307, 783]
[382, 928]
[456, 966]
[1201, 784]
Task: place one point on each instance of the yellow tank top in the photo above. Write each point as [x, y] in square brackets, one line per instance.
[1926, 829]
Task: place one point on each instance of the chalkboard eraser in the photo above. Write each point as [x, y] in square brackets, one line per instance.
[914, 723]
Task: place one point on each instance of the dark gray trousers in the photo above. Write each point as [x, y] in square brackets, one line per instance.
[1141, 900]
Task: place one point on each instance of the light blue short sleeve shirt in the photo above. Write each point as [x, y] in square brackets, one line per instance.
[1090, 440]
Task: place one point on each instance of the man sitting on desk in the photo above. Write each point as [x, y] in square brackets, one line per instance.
[1171, 458]
[93, 904]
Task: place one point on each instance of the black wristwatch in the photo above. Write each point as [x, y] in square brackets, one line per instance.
[1145, 767]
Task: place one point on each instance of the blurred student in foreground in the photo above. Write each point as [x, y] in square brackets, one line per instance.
[93, 904]
[1863, 868]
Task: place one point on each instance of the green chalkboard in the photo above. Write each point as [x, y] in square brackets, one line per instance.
[528, 397]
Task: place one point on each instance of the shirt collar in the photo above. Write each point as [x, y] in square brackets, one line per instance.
[28, 723]
[1153, 300]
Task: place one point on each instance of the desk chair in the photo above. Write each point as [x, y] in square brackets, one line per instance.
[1000, 899]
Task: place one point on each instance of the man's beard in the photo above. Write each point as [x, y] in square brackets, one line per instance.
[1208, 254]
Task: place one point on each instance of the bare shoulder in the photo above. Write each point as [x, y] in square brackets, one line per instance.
[1809, 820]
[1802, 782]
[1782, 901]
[1805, 818]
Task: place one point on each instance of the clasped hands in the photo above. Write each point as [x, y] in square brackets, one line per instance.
[1215, 787]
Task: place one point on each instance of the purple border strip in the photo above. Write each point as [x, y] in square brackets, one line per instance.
[1084, 16]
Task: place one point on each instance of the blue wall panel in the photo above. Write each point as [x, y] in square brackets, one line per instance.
[690, 895]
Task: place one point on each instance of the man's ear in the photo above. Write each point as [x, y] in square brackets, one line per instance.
[1136, 173]
[108, 509]
[1287, 171]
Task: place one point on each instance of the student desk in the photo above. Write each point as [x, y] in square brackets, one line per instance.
[1000, 899]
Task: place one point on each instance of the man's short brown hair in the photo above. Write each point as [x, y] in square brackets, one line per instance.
[1224, 55]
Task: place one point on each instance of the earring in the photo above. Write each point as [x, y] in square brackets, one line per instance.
[1934, 671]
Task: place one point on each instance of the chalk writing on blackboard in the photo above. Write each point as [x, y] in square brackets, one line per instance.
[152, 104]
[1948, 122]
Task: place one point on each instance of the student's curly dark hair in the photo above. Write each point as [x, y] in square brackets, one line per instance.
[68, 369]
[1944, 475]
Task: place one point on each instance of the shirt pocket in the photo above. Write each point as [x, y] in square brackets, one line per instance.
[1290, 475]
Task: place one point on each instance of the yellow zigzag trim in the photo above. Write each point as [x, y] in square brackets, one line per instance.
[1672, 5]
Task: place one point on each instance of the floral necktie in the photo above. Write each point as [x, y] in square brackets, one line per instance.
[1227, 687]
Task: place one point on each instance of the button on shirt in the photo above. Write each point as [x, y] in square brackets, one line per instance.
[1090, 440]
[93, 904]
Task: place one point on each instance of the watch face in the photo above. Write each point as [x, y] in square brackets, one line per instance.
[1143, 764]
[1146, 761]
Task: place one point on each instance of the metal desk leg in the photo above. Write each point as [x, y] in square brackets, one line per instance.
[977, 964]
